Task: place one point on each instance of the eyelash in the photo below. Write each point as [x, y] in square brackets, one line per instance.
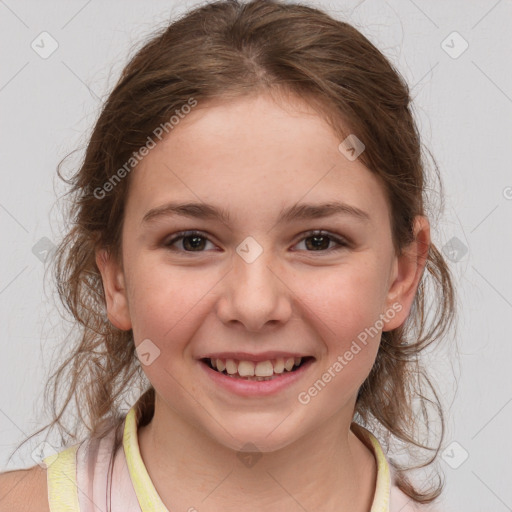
[342, 243]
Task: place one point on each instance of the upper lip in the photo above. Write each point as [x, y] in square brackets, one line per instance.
[246, 356]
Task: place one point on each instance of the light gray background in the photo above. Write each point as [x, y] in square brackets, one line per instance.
[463, 105]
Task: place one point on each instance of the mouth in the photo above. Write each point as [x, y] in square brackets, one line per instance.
[256, 370]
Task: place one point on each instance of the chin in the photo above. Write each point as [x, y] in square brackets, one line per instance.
[258, 437]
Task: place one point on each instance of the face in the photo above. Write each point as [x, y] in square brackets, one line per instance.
[261, 282]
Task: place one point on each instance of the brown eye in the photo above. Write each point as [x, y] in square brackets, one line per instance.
[315, 241]
[192, 241]
[320, 240]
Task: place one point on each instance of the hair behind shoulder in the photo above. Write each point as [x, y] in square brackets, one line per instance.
[222, 50]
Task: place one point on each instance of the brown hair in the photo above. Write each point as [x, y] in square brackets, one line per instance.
[224, 50]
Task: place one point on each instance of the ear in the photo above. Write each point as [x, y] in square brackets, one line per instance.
[407, 272]
[115, 290]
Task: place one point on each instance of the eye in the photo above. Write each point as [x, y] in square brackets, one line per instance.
[320, 240]
[315, 241]
[192, 241]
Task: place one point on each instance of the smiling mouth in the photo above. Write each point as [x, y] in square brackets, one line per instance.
[263, 370]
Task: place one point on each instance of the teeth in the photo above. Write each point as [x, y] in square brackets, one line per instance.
[263, 369]
[246, 369]
[253, 378]
[257, 370]
[279, 365]
[231, 366]
[288, 364]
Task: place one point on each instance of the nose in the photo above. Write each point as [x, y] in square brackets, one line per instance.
[255, 294]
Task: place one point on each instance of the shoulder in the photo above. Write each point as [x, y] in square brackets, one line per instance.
[24, 490]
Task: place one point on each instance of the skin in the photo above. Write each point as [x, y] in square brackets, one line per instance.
[290, 298]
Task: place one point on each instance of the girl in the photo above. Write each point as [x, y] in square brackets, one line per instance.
[249, 246]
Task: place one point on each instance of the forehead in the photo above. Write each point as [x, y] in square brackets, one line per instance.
[252, 154]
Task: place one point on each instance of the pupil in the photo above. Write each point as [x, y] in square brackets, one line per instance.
[195, 244]
[317, 244]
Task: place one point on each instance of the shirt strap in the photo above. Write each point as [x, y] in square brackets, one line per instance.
[381, 498]
[383, 487]
[148, 497]
[61, 479]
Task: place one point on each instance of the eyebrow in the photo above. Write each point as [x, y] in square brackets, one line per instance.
[302, 211]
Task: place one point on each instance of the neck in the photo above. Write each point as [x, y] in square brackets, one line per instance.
[328, 469]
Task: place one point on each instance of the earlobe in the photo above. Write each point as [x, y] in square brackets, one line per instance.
[407, 272]
[115, 290]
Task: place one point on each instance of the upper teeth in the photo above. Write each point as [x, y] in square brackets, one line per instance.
[259, 369]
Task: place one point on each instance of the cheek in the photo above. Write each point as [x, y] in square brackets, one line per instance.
[343, 313]
[347, 299]
[167, 311]
[344, 306]
[168, 303]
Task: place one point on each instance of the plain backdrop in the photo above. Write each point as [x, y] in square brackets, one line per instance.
[59, 60]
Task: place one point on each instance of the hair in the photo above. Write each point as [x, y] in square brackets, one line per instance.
[220, 51]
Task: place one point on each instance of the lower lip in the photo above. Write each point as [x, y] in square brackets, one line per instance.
[244, 387]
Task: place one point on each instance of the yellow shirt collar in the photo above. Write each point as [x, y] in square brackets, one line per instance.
[150, 501]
